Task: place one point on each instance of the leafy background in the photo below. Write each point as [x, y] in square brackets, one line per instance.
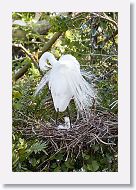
[92, 39]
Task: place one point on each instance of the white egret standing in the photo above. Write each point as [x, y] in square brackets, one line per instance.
[66, 82]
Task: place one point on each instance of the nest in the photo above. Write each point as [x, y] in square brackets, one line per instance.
[101, 128]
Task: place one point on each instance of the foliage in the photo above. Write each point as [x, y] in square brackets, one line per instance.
[92, 39]
[26, 153]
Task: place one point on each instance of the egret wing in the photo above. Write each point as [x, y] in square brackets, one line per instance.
[42, 83]
[59, 87]
[83, 92]
[70, 59]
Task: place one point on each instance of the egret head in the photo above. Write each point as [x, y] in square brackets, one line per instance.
[44, 66]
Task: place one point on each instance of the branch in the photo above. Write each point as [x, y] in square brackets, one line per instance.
[22, 71]
[106, 18]
[27, 53]
[108, 38]
[25, 68]
[47, 46]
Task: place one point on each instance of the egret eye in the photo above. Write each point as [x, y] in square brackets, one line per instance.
[48, 62]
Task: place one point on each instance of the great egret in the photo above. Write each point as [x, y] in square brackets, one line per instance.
[66, 82]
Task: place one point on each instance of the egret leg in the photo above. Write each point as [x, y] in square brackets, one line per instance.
[57, 114]
[69, 116]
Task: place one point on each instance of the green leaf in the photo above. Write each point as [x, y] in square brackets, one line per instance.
[34, 161]
[16, 94]
[37, 147]
[95, 147]
[58, 169]
[59, 156]
[54, 165]
[93, 166]
[69, 164]
[86, 156]
[17, 106]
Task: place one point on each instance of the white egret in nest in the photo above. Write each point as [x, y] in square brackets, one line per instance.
[66, 82]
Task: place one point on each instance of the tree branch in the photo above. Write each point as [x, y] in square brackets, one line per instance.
[105, 17]
[27, 53]
[47, 46]
[108, 38]
[24, 69]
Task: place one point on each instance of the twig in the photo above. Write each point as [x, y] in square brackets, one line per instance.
[108, 38]
[25, 68]
[27, 53]
[103, 141]
[105, 17]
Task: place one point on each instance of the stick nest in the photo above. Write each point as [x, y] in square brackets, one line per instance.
[102, 127]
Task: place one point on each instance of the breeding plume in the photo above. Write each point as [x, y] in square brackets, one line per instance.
[65, 82]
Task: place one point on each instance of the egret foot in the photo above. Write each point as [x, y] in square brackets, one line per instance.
[57, 114]
[67, 123]
[69, 117]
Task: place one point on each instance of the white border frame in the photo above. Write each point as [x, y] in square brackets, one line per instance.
[123, 174]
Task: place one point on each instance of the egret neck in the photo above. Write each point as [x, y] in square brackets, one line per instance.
[43, 61]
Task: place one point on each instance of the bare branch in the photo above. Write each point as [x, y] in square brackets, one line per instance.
[25, 68]
[47, 46]
[105, 17]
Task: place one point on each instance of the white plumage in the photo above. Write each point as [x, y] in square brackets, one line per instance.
[65, 82]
